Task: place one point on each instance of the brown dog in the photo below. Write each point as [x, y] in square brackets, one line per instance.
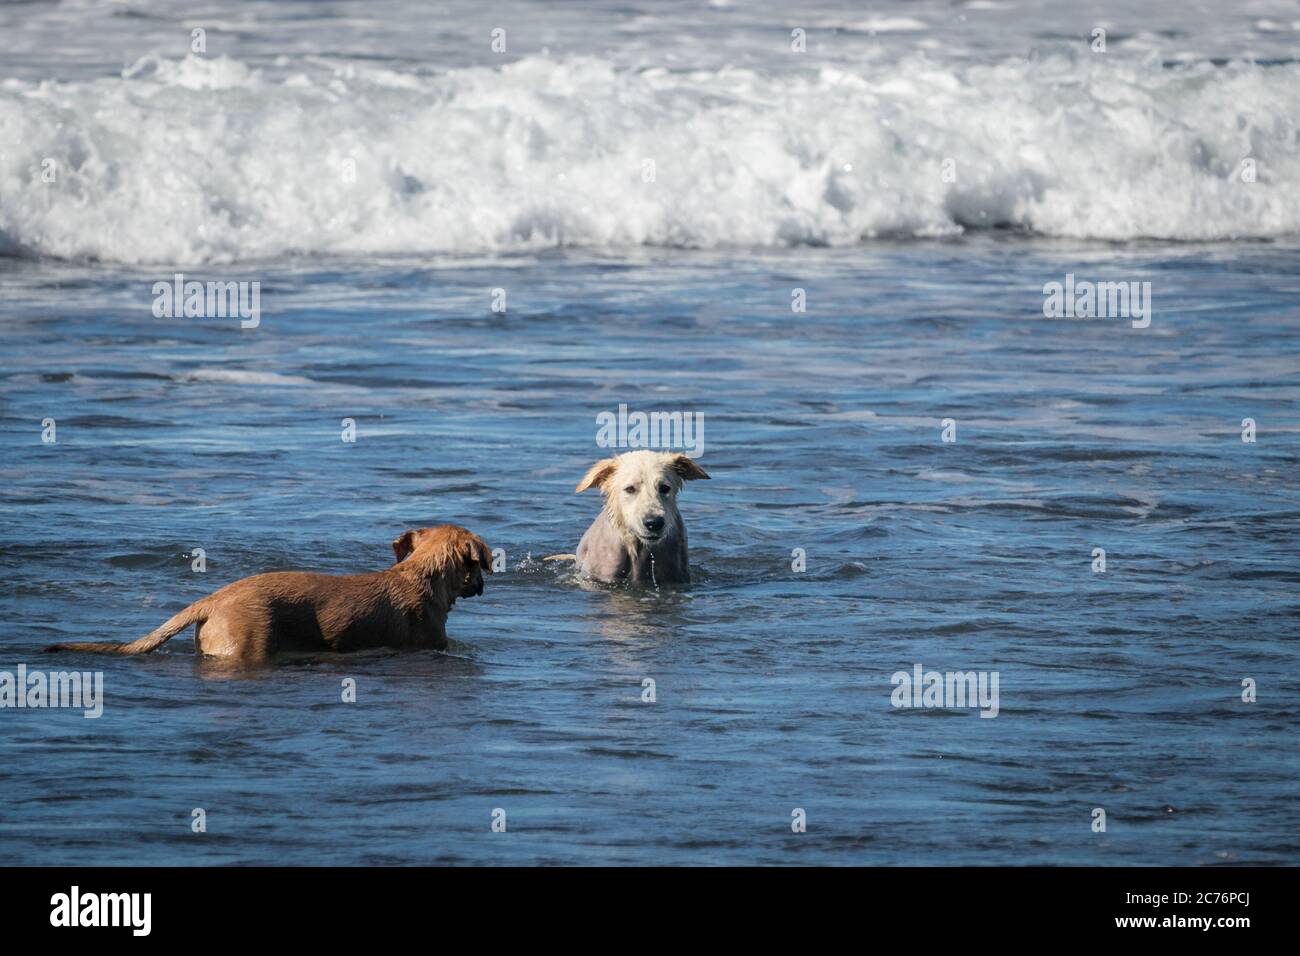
[404, 606]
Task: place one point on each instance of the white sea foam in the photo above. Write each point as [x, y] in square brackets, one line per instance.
[209, 160]
[242, 377]
[888, 24]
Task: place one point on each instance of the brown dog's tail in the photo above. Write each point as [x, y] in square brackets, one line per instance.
[196, 612]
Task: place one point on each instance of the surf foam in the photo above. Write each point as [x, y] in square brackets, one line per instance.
[208, 160]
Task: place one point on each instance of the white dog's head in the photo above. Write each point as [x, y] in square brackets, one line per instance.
[640, 489]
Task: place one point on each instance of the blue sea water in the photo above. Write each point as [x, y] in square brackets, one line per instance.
[1119, 689]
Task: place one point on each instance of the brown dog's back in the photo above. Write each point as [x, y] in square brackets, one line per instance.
[404, 606]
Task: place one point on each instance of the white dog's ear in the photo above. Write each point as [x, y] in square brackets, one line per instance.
[597, 475]
[687, 469]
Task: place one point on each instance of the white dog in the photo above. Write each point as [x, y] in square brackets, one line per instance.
[639, 535]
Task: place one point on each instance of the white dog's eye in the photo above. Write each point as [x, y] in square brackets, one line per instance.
[664, 489]
[630, 489]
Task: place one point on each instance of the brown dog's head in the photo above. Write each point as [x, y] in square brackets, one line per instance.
[459, 557]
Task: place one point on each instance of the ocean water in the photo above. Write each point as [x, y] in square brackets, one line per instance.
[380, 172]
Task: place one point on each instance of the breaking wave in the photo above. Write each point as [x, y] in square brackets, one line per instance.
[209, 160]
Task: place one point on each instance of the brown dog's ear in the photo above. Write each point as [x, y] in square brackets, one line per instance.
[403, 545]
[687, 469]
[597, 475]
[475, 551]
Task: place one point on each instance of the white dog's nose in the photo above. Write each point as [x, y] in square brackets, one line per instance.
[655, 525]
